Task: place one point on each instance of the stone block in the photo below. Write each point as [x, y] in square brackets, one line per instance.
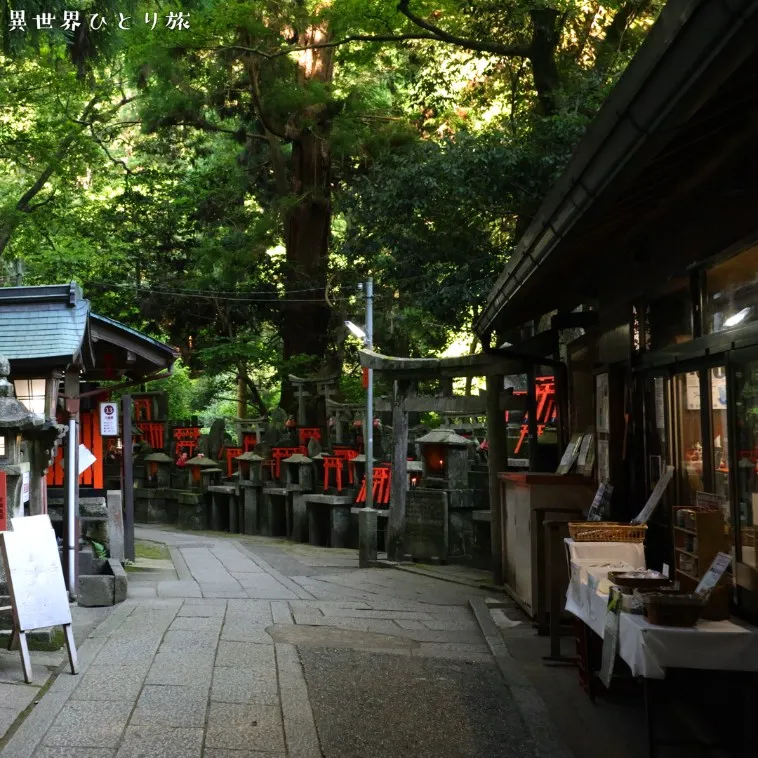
[339, 526]
[426, 526]
[107, 584]
[95, 590]
[299, 518]
[367, 537]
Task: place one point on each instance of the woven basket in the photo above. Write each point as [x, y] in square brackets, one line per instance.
[606, 531]
[672, 609]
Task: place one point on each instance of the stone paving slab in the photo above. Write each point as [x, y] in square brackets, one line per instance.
[112, 682]
[171, 706]
[160, 742]
[245, 655]
[16, 696]
[89, 724]
[197, 624]
[74, 752]
[233, 726]
[203, 611]
[180, 669]
[213, 753]
[239, 685]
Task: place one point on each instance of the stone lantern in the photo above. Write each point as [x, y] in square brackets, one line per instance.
[15, 420]
[159, 469]
[202, 472]
[299, 471]
[250, 467]
[445, 459]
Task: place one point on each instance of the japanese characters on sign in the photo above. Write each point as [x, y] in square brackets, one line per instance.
[71, 20]
[108, 420]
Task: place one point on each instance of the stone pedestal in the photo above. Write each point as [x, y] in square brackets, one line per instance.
[367, 537]
[275, 506]
[225, 509]
[299, 521]
[250, 494]
[192, 510]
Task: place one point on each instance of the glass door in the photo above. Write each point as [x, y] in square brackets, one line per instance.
[688, 426]
[745, 389]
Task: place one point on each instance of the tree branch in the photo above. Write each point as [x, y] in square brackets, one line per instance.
[509, 51]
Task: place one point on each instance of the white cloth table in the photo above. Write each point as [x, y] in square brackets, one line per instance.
[632, 553]
[649, 650]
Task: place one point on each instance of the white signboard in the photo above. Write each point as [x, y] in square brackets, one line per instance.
[644, 515]
[711, 577]
[108, 420]
[86, 459]
[25, 487]
[35, 577]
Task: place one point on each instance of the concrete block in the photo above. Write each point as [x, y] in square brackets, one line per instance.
[115, 524]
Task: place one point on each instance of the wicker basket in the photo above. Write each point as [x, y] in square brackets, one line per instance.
[606, 531]
[672, 609]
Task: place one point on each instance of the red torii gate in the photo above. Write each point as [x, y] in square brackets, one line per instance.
[545, 398]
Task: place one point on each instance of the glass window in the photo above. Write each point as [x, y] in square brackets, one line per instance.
[731, 292]
[670, 316]
[689, 438]
[31, 394]
[746, 399]
[720, 439]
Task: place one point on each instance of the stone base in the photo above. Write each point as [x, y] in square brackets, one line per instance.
[191, 509]
[107, 587]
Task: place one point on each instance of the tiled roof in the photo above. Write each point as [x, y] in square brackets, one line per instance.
[46, 330]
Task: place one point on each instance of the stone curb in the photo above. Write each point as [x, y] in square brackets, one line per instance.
[180, 565]
[531, 706]
[443, 578]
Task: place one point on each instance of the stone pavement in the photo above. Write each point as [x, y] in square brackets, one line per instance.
[250, 647]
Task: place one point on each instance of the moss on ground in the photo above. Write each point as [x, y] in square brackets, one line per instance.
[152, 550]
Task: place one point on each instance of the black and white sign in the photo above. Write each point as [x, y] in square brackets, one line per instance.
[108, 420]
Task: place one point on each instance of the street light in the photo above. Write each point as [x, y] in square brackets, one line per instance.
[356, 330]
[367, 335]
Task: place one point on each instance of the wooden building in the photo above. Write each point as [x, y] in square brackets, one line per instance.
[649, 243]
[60, 353]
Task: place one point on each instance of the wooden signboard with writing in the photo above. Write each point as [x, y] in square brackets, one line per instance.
[35, 582]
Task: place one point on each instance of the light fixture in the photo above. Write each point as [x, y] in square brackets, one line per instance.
[356, 330]
[738, 317]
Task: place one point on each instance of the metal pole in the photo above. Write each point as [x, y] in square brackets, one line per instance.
[128, 459]
[71, 533]
[369, 432]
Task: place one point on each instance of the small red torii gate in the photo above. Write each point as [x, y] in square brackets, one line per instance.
[545, 398]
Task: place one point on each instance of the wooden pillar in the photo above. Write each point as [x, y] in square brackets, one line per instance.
[497, 460]
[399, 486]
[128, 476]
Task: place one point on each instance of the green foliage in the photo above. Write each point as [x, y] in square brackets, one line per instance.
[160, 169]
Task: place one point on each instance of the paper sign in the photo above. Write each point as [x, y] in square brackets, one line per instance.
[645, 514]
[610, 637]
[665, 570]
[25, 487]
[711, 577]
[707, 502]
[86, 459]
[570, 455]
[108, 420]
[599, 508]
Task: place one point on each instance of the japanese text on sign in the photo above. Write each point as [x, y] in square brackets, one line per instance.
[108, 420]
[71, 20]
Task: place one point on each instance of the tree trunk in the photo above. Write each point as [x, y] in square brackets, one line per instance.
[241, 396]
[305, 319]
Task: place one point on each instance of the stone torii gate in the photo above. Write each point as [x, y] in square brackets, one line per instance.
[494, 365]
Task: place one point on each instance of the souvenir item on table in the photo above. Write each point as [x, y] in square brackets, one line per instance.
[630, 580]
[670, 608]
[606, 531]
